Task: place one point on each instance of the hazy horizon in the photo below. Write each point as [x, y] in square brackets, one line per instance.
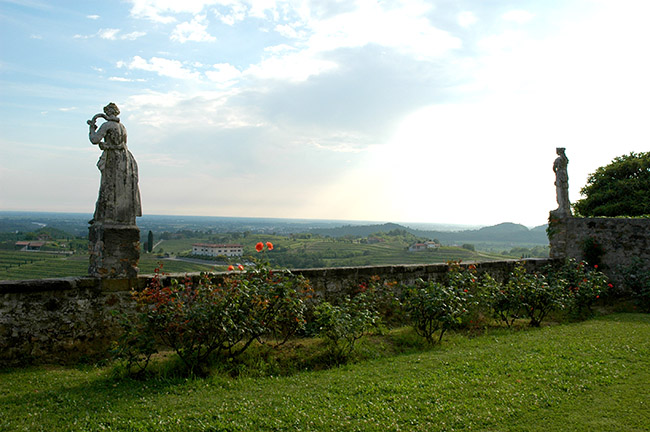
[411, 224]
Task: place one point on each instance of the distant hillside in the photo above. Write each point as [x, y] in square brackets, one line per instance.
[359, 230]
[502, 233]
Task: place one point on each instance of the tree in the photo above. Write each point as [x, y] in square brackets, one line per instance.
[621, 188]
[150, 242]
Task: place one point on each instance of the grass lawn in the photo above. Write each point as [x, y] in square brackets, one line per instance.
[587, 376]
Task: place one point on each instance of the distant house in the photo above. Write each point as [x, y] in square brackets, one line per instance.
[372, 240]
[432, 245]
[417, 247]
[217, 249]
[29, 246]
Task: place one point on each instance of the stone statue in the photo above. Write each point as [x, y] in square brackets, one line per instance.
[118, 202]
[113, 236]
[562, 182]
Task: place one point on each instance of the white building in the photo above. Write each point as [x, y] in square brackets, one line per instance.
[416, 247]
[217, 249]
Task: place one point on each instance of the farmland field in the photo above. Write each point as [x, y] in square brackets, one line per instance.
[37, 265]
[289, 252]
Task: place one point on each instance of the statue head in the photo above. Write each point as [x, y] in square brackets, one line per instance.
[111, 110]
[558, 150]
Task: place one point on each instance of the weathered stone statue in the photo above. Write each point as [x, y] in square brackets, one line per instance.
[114, 238]
[562, 183]
[119, 197]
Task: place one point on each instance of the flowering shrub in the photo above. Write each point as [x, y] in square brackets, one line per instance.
[524, 295]
[433, 307]
[273, 306]
[135, 345]
[199, 317]
[383, 298]
[537, 296]
[189, 317]
[342, 325]
[503, 300]
[583, 284]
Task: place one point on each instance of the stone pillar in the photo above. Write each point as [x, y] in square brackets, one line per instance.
[114, 250]
[557, 230]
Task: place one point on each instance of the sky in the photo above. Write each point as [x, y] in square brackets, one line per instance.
[395, 111]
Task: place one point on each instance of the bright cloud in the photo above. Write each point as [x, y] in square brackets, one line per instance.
[223, 73]
[163, 11]
[161, 66]
[192, 31]
[292, 66]
[110, 34]
[404, 28]
[467, 19]
[122, 79]
[133, 35]
[518, 16]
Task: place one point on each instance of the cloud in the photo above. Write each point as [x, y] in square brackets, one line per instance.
[161, 66]
[518, 16]
[163, 160]
[291, 66]
[223, 73]
[93, 17]
[467, 19]
[287, 30]
[133, 35]
[194, 31]
[403, 27]
[122, 79]
[213, 111]
[162, 11]
[110, 34]
[235, 14]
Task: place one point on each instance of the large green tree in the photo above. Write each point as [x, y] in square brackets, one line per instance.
[621, 188]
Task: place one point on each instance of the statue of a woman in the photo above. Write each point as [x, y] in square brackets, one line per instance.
[562, 182]
[118, 202]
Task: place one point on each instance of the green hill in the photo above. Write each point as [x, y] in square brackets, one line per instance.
[504, 233]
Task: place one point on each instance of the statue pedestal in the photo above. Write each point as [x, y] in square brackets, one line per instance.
[114, 251]
[557, 233]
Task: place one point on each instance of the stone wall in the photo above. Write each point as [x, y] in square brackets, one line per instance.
[67, 320]
[622, 242]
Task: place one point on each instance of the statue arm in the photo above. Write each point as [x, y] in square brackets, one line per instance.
[96, 136]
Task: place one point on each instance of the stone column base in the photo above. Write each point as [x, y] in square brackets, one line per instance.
[114, 251]
[557, 234]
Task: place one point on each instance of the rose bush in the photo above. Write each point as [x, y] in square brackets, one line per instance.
[197, 317]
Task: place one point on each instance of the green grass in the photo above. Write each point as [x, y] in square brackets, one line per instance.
[588, 376]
